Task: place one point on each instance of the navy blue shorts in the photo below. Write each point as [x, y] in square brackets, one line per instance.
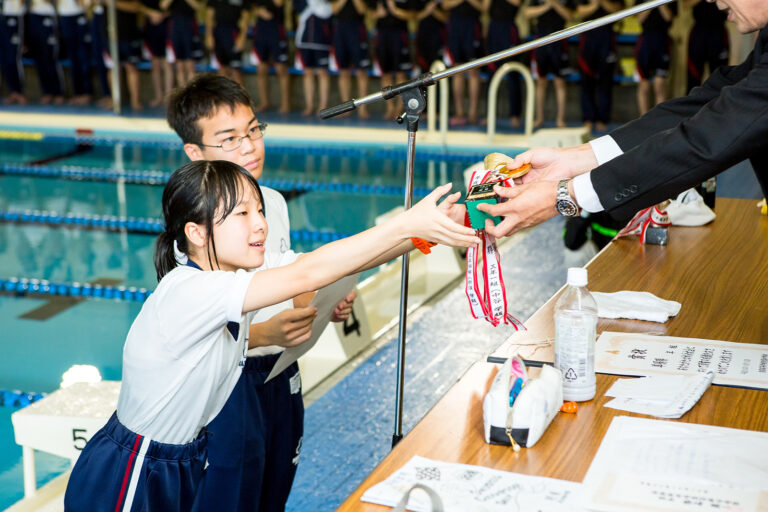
[652, 55]
[310, 59]
[224, 37]
[502, 35]
[550, 59]
[254, 442]
[393, 51]
[430, 42]
[185, 38]
[350, 46]
[121, 470]
[464, 41]
[270, 42]
[129, 51]
[156, 38]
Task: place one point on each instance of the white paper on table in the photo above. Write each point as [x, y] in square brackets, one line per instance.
[663, 396]
[326, 299]
[734, 364]
[644, 464]
[463, 487]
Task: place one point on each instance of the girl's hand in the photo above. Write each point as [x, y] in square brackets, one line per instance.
[455, 212]
[428, 221]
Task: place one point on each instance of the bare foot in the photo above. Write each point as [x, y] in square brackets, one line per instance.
[472, 119]
[588, 125]
[261, 107]
[284, 109]
[515, 121]
[58, 100]
[105, 103]
[45, 99]
[538, 123]
[307, 111]
[457, 121]
[600, 126]
[362, 113]
[137, 106]
[156, 102]
[560, 123]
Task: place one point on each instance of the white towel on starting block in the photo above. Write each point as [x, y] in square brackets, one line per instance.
[635, 306]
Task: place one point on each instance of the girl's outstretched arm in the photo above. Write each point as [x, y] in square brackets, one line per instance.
[333, 261]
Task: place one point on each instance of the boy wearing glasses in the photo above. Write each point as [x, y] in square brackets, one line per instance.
[254, 442]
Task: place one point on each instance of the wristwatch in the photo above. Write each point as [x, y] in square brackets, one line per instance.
[564, 203]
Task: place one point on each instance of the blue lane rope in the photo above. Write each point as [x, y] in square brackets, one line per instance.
[18, 399]
[22, 286]
[134, 224]
[79, 173]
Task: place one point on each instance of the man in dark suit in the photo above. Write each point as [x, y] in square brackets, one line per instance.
[675, 146]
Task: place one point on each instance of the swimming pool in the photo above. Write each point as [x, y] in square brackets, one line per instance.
[82, 214]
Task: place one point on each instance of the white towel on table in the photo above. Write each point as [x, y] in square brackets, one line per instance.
[688, 209]
[635, 305]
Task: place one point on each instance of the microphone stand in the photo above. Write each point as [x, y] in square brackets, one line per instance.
[414, 93]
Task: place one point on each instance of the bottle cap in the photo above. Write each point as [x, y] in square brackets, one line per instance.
[577, 276]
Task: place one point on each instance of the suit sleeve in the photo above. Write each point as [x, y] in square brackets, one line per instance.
[668, 114]
[726, 130]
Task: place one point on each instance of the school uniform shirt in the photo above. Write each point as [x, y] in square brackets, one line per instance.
[13, 7]
[68, 8]
[41, 7]
[180, 360]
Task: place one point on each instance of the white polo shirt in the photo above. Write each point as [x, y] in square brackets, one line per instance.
[180, 362]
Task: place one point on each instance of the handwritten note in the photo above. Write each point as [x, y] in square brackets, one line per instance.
[462, 487]
[645, 464]
[734, 364]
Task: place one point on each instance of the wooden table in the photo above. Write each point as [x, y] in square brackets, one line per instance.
[718, 272]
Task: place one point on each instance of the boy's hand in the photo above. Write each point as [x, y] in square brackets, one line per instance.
[344, 308]
[288, 328]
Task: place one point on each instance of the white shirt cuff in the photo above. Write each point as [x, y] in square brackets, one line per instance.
[585, 195]
[605, 149]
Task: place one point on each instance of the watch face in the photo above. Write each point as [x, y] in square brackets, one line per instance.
[566, 208]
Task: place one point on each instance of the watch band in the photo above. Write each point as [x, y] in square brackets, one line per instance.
[564, 203]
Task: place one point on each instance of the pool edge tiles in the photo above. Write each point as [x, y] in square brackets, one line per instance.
[17, 124]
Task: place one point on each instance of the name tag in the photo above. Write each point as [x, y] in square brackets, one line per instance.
[295, 383]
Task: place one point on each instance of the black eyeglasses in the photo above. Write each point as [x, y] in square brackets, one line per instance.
[234, 142]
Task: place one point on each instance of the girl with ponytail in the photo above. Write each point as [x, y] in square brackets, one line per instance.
[185, 350]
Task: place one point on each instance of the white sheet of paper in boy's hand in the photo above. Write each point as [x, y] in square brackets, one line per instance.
[663, 396]
[326, 300]
[462, 487]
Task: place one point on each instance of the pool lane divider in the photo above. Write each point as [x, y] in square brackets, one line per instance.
[21, 287]
[139, 225]
[71, 172]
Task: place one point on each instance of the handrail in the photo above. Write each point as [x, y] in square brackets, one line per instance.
[493, 90]
[437, 67]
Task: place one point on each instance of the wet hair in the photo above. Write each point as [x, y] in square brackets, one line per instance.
[204, 192]
[202, 97]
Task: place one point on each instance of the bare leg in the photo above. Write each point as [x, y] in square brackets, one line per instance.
[474, 94]
[362, 90]
[262, 76]
[285, 88]
[157, 82]
[324, 85]
[541, 97]
[168, 75]
[643, 88]
[309, 92]
[190, 64]
[391, 109]
[458, 98]
[132, 78]
[345, 84]
[660, 88]
[560, 99]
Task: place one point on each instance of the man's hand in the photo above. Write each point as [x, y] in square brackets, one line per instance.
[344, 308]
[554, 164]
[527, 205]
[288, 328]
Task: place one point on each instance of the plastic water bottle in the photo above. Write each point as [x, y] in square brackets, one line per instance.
[575, 327]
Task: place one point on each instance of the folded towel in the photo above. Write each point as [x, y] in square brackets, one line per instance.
[635, 305]
[688, 209]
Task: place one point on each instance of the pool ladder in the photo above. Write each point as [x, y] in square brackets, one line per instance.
[493, 89]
